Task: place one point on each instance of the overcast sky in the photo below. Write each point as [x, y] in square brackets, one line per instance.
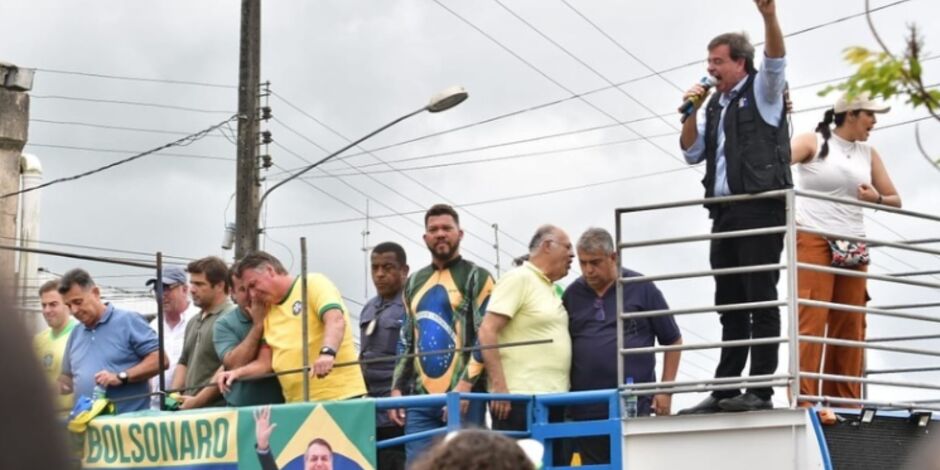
[355, 65]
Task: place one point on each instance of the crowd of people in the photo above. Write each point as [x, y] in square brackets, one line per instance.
[231, 332]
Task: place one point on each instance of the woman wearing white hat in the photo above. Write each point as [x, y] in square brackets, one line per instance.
[837, 162]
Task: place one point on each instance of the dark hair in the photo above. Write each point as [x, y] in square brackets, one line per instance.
[441, 209]
[77, 276]
[517, 261]
[320, 442]
[739, 47]
[476, 449]
[214, 269]
[257, 259]
[392, 247]
[829, 117]
[47, 286]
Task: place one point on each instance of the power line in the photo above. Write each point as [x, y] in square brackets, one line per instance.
[183, 141]
[111, 127]
[122, 151]
[129, 103]
[134, 79]
[152, 255]
[490, 201]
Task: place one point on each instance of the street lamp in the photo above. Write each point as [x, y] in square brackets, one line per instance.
[442, 101]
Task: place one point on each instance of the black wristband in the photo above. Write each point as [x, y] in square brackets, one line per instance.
[328, 351]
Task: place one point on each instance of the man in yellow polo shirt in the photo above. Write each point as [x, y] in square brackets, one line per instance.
[329, 340]
[525, 306]
[50, 344]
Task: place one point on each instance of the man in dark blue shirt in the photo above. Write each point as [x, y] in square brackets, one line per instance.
[591, 301]
[379, 327]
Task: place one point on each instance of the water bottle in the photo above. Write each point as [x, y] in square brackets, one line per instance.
[98, 393]
[629, 404]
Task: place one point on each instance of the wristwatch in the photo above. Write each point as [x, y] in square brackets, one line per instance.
[328, 351]
[123, 376]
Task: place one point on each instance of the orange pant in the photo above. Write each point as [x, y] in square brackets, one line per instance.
[840, 360]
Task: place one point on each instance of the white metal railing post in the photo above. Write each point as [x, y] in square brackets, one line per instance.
[620, 359]
[793, 294]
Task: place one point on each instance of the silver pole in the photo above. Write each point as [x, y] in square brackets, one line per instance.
[620, 359]
[305, 334]
[793, 293]
[496, 246]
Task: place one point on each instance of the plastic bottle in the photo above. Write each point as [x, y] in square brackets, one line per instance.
[629, 404]
[98, 393]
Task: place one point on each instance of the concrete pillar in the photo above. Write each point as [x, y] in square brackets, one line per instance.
[14, 122]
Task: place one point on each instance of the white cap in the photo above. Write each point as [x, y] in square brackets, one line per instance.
[862, 101]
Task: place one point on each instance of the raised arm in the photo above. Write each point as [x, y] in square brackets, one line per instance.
[773, 36]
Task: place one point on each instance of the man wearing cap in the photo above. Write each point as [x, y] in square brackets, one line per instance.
[838, 163]
[177, 310]
[199, 362]
[112, 348]
[741, 135]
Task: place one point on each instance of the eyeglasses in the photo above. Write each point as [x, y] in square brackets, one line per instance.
[166, 289]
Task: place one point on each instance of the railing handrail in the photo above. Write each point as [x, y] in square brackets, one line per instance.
[789, 265]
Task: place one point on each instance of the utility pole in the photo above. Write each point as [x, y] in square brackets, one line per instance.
[249, 73]
[14, 124]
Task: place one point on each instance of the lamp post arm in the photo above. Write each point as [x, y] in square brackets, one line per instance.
[330, 156]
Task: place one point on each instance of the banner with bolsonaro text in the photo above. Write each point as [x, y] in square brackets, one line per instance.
[340, 433]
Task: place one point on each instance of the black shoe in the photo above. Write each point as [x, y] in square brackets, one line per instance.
[745, 402]
[708, 405]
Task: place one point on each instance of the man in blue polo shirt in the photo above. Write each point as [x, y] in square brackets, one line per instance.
[112, 348]
[591, 301]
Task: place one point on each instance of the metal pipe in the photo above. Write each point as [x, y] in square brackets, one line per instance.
[862, 344]
[906, 306]
[866, 275]
[304, 322]
[755, 268]
[704, 237]
[777, 194]
[889, 339]
[853, 379]
[793, 294]
[916, 273]
[860, 309]
[870, 241]
[706, 309]
[709, 388]
[715, 381]
[873, 403]
[161, 339]
[136, 264]
[902, 370]
[709, 345]
[869, 205]
[620, 327]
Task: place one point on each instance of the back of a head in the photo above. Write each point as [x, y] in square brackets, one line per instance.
[475, 449]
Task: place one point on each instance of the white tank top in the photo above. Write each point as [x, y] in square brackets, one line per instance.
[839, 174]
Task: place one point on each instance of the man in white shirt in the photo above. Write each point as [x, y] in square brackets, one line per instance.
[177, 310]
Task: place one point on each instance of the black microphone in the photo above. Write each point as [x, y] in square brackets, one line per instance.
[688, 107]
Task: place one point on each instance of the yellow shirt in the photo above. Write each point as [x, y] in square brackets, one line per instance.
[49, 349]
[535, 312]
[282, 332]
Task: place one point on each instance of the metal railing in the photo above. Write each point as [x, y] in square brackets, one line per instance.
[917, 277]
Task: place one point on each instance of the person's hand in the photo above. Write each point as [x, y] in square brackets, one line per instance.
[500, 409]
[662, 404]
[697, 94]
[187, 402]
[107, 379]
[766, 7]
[257, 310]
[787, 102]
[461, 387]
[322, 366]
[397, 415]
[263, 427]
[868, 193]
[224, 380]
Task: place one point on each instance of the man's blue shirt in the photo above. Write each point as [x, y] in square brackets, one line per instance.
[769, 84]
[592, 324]
[119, 341]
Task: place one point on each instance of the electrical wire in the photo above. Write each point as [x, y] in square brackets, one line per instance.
[123, 151]
[183, 141]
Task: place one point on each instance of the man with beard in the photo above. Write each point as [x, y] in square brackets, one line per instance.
[444, 305]
[199, 362]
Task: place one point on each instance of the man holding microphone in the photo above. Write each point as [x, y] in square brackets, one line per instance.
[741, 134]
